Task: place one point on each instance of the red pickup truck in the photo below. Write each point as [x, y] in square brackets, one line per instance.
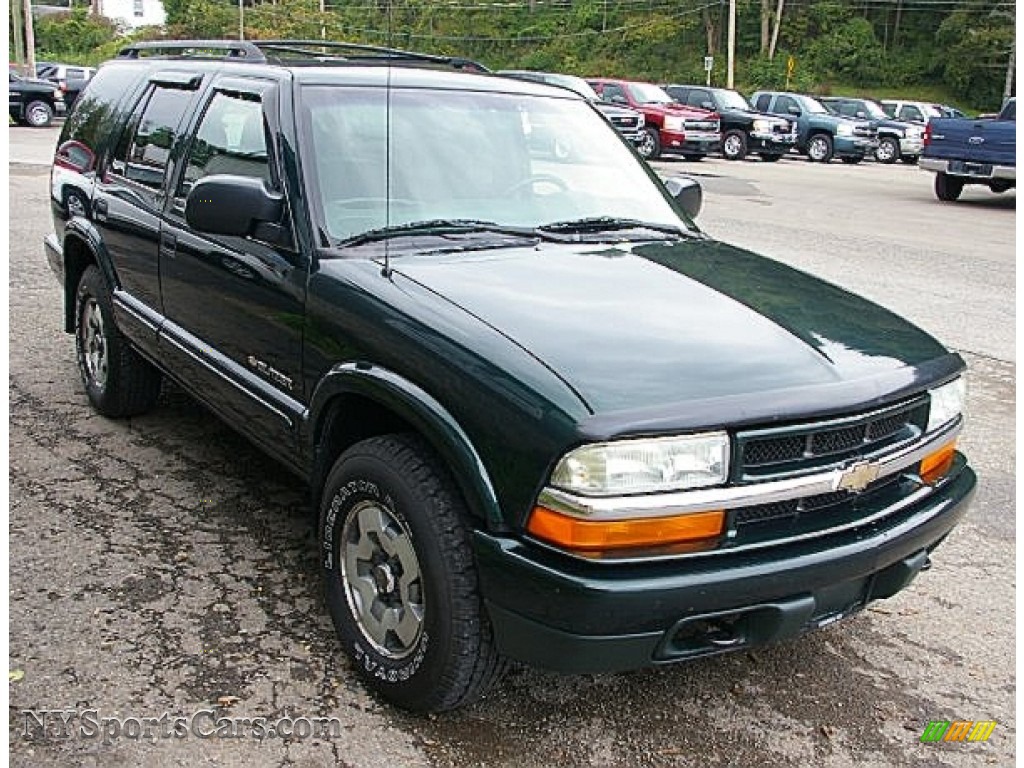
[671, 127]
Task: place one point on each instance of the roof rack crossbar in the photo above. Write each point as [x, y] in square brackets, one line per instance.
[233, 49]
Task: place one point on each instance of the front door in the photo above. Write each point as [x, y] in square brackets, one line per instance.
[234, 305]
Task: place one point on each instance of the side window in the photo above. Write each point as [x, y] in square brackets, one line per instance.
[786, 105]
[762, 102]
[145, 146]
[614, 94]
[889, 109]
[230, 140]
[911, 113]
[697, 98]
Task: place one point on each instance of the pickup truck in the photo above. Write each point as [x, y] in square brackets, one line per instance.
[670, 127]
[820, 134]
[964, 151]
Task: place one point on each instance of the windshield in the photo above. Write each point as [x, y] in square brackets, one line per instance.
[813, 106]
[573, 83]
[873, 110]
[645, 93]
[732, 100]
[507, 159]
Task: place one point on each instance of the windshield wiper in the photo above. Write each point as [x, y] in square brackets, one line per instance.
[595, 224]
[438, 227]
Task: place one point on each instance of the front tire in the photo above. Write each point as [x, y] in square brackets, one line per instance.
[820, 148]
[888, 150]
[948, 188]
[400, 580]
[118, 381]
[650, 144]
[734, 145]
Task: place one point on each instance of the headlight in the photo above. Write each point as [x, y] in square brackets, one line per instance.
[674, 124]
[844, 129]
[762, 126]
[947, 403]
[645, 466]
[640, 121]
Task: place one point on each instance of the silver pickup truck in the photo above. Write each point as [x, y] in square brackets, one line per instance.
[964, 151]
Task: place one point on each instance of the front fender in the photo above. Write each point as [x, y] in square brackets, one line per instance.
[424, 413]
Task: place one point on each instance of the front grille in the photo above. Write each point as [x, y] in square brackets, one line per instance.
[864, 130]
[625, 122]
[701, 125]
[812, 511]
[782, 129]
[804, 447]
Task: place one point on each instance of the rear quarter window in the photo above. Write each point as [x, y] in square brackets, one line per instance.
[97, 111]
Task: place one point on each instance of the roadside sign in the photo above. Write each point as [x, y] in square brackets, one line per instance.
[709, 63]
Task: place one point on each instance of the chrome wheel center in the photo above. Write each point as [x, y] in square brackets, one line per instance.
[383, 582]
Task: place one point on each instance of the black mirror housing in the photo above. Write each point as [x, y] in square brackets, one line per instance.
[687, 193]
[231, 205]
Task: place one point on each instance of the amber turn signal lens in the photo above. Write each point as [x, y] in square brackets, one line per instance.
[936, 465]
[573, 533]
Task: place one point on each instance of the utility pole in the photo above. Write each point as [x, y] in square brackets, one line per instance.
[19, 38]
[241, 19]
[1008, 86]
[775, 32]
[731, 69]
[30, 40]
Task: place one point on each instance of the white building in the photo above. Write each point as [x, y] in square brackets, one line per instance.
[133, 13]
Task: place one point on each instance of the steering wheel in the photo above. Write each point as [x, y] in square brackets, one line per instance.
[537, 178]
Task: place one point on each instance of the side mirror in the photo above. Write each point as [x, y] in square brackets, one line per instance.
[707, 105]
[231, 205]
[862, 114]
[687, 193]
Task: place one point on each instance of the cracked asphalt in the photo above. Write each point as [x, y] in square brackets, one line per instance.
[162, 565]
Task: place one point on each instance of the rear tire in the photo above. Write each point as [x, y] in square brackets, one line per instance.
[118, 381]
[888, 150]
[400, 578]
[948, 188]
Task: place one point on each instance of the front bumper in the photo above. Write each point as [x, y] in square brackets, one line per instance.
[570, 615]
[772, 142]
[689, 142]
[854, 146]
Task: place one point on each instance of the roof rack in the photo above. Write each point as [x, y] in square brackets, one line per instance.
[291, 52]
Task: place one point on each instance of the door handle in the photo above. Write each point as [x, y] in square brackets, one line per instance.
[168, 244]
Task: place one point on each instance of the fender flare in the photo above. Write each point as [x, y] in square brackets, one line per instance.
[87, 234]
[419, 409]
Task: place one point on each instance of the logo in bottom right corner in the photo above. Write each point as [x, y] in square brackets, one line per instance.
[958, 730]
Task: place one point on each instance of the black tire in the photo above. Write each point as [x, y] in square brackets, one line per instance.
[38, 114]
[910, 159]
[75, 204]
[385, 498]
[769, 158]
[734, 145]
[650, 144]
[852, 159]
[694, 158]
[948, 188]
[820, 148]
[888, 150]
[118, 381]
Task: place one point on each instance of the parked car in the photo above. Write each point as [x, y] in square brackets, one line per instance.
[820, 134]
[628, 122]
[963, 151]
[919, 112]
[669, 127]
[744, 129]
[34, 102]
[69, 78]
[543, 416]
[897, 140]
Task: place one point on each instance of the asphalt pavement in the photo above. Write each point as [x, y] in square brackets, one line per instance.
[160, 567]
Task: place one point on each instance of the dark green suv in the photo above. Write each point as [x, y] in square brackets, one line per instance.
[543, 416]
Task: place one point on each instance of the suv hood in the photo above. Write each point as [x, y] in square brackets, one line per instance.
[614, 110]
[642, 326]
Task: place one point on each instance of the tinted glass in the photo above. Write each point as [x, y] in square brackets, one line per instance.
[150, 146]
[230, 140]
[697, 99]
[783, 104]
[763, 101]
[612, 91]
[96, 109]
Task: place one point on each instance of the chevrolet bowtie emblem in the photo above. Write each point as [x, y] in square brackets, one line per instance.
[857, 477]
